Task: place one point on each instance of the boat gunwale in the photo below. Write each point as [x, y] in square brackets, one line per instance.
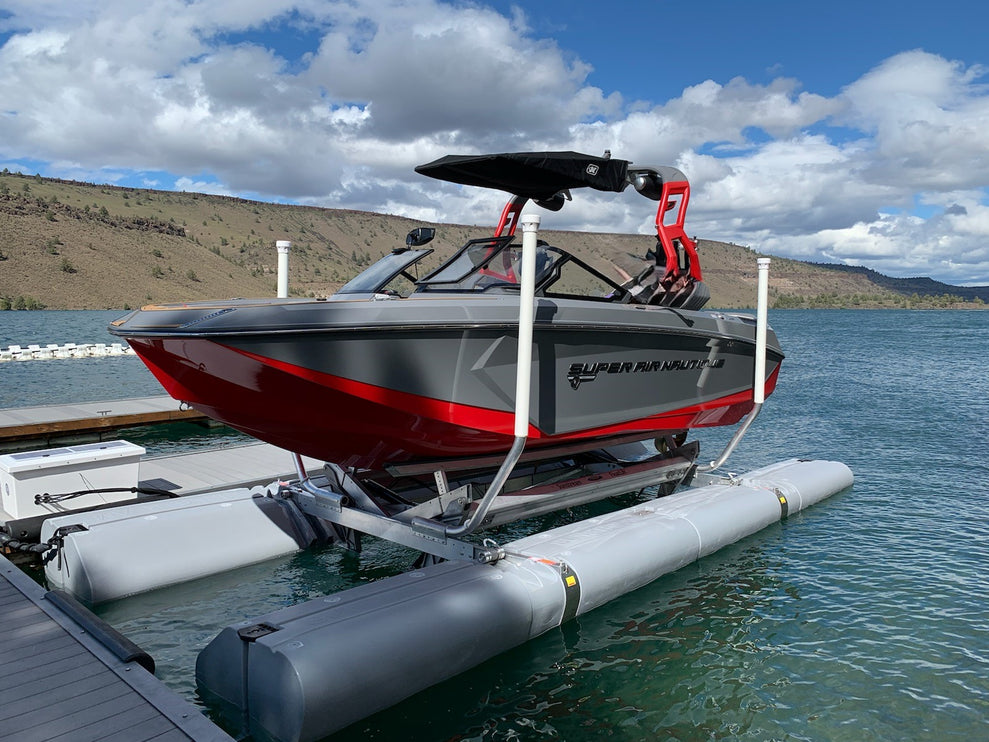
[417, 327]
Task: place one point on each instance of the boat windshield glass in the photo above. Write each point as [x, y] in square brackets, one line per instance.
[379, 275]
[495, 265]
[473, 257]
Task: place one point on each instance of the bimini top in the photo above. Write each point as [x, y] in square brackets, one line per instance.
[541, 175]
[536, 175]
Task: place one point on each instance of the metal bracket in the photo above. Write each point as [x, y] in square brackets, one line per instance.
[450, 506]
[421, 534]
[251, 634]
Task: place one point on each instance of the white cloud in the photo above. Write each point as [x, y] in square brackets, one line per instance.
[425, 67]
[929, 119]
[188, 185]
[891, 173]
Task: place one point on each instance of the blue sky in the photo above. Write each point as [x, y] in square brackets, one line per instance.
[834, 132]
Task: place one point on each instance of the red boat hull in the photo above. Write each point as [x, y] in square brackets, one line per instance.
[352, 423]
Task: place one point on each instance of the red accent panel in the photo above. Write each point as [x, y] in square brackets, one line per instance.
[467, 416]
[357, 424]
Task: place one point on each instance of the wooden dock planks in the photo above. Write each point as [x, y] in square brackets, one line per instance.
[229, 467]
[48, 423]
[57, 684]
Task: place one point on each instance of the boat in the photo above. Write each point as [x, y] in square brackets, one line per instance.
[525, 381]
[394, 369]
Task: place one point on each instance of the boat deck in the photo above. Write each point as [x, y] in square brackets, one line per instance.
[48, 424]
[58, 684]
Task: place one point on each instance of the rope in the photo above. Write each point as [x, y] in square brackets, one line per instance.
[47, 499]
[54, 544]
[9, 542]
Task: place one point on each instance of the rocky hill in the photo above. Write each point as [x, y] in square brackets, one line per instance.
[70, 245]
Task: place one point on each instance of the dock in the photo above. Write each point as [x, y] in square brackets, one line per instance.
[67, 676]
[229, 467]
[51, 424]
[59, 683]
[194, 473]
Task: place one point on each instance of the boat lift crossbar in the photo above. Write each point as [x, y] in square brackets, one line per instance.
[428, 537]
[421, 527]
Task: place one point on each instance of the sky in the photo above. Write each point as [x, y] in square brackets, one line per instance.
[852, 132]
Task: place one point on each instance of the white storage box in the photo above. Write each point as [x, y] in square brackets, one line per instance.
[59, 471]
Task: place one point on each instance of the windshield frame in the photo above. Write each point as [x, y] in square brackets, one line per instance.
[455, 275]
[467, 265]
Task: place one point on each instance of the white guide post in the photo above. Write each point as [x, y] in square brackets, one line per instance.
[759, 375]
[759, 386]
[530, 228]
[523, 371]
[283, 246]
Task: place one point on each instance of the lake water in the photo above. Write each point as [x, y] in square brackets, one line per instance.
[64, 380]
[863, 618]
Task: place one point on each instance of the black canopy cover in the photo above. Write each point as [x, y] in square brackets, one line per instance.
[535, 175]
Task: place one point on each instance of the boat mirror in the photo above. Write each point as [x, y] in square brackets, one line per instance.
[420, 236]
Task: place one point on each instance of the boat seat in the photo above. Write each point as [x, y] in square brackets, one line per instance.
[693, 296]
[684, 292]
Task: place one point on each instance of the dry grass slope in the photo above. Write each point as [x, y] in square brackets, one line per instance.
[69, 245]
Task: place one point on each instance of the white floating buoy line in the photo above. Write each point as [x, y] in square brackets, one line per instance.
[68, 350]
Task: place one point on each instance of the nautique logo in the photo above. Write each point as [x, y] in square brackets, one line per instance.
[581, 373]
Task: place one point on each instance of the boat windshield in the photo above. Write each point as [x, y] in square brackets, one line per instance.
[380, 274]
[495, 265]
[473, 257]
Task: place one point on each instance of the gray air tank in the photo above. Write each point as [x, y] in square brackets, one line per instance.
[304, 672]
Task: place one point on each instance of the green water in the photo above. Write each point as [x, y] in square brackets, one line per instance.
[863, 618]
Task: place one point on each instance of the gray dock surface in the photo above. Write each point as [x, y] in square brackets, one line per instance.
[194, 473]
[58, 684]
[50, 423]
[229, 467]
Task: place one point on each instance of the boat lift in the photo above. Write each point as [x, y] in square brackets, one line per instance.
[269, 675]
[435, 520]
[437, 526]
[303, 672]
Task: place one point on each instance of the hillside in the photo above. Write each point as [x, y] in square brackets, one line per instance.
[70, 245]
[921, 285]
